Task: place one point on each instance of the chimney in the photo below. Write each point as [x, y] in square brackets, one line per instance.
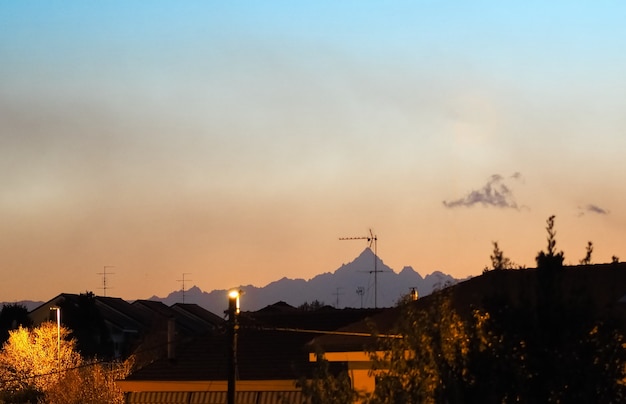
[171, 338]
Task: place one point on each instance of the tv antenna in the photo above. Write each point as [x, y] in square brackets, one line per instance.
[183, 281]
[104, 278]
[337, 294]
[371, 239]
[360, 291]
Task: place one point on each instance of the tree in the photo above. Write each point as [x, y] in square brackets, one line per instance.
[541, 343]
[328, 386]
[498, 260]
[437, 354]
[550, 258]
[11, 317]
[313, 306]
[501, 352]
[36, 365]
[32, 359]
[430, 359]
[93, 382]
[587, 259]
[423, 359]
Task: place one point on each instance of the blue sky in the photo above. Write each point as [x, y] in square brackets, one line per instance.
[237, 142]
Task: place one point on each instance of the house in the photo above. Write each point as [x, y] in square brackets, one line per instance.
[269, 364]
[110, 327]
[348, 347]
[107, 327]
[599, 290]
[202, 319]
[272, 357]
[190, 319]
[165, 328]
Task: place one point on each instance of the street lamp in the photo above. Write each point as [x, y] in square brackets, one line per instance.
[58, 310]
[233, 301]
[233, 326]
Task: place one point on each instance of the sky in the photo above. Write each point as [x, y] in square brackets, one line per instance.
[234, 143]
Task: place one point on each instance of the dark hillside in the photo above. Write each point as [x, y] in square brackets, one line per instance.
[599, 288]
[531, 336]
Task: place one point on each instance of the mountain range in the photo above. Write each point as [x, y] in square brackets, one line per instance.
[364, 282]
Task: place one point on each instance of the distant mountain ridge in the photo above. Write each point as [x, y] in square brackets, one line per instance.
[330, 288]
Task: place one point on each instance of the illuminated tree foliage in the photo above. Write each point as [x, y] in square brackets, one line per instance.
[36, 366]
[431, 363]
[512, 355]
[29, 360]
[92, 383]
[549, 351]
[328, 386]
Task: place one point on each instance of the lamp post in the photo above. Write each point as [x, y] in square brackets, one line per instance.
[233, 326]
[58, 310]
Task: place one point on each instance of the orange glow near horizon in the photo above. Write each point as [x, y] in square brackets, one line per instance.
[238, 143]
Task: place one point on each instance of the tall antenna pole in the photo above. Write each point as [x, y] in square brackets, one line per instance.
[183, 281]
[104, 278]
[371, 239]
[360, 291]
[337, 294]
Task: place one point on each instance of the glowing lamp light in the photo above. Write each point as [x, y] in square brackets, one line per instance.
[233, 297]
[233, 313]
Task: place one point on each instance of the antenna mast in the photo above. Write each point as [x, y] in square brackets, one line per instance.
[104, 278]
[371, 239]
[337, 294]
[360, 291]
[183, 281]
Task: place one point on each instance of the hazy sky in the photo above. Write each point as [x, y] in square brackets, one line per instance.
[237, 141]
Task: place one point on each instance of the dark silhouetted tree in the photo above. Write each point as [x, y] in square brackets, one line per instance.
[313, 306]
[587, 259]
[550, 258]
[12, 317]
[498, 260]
